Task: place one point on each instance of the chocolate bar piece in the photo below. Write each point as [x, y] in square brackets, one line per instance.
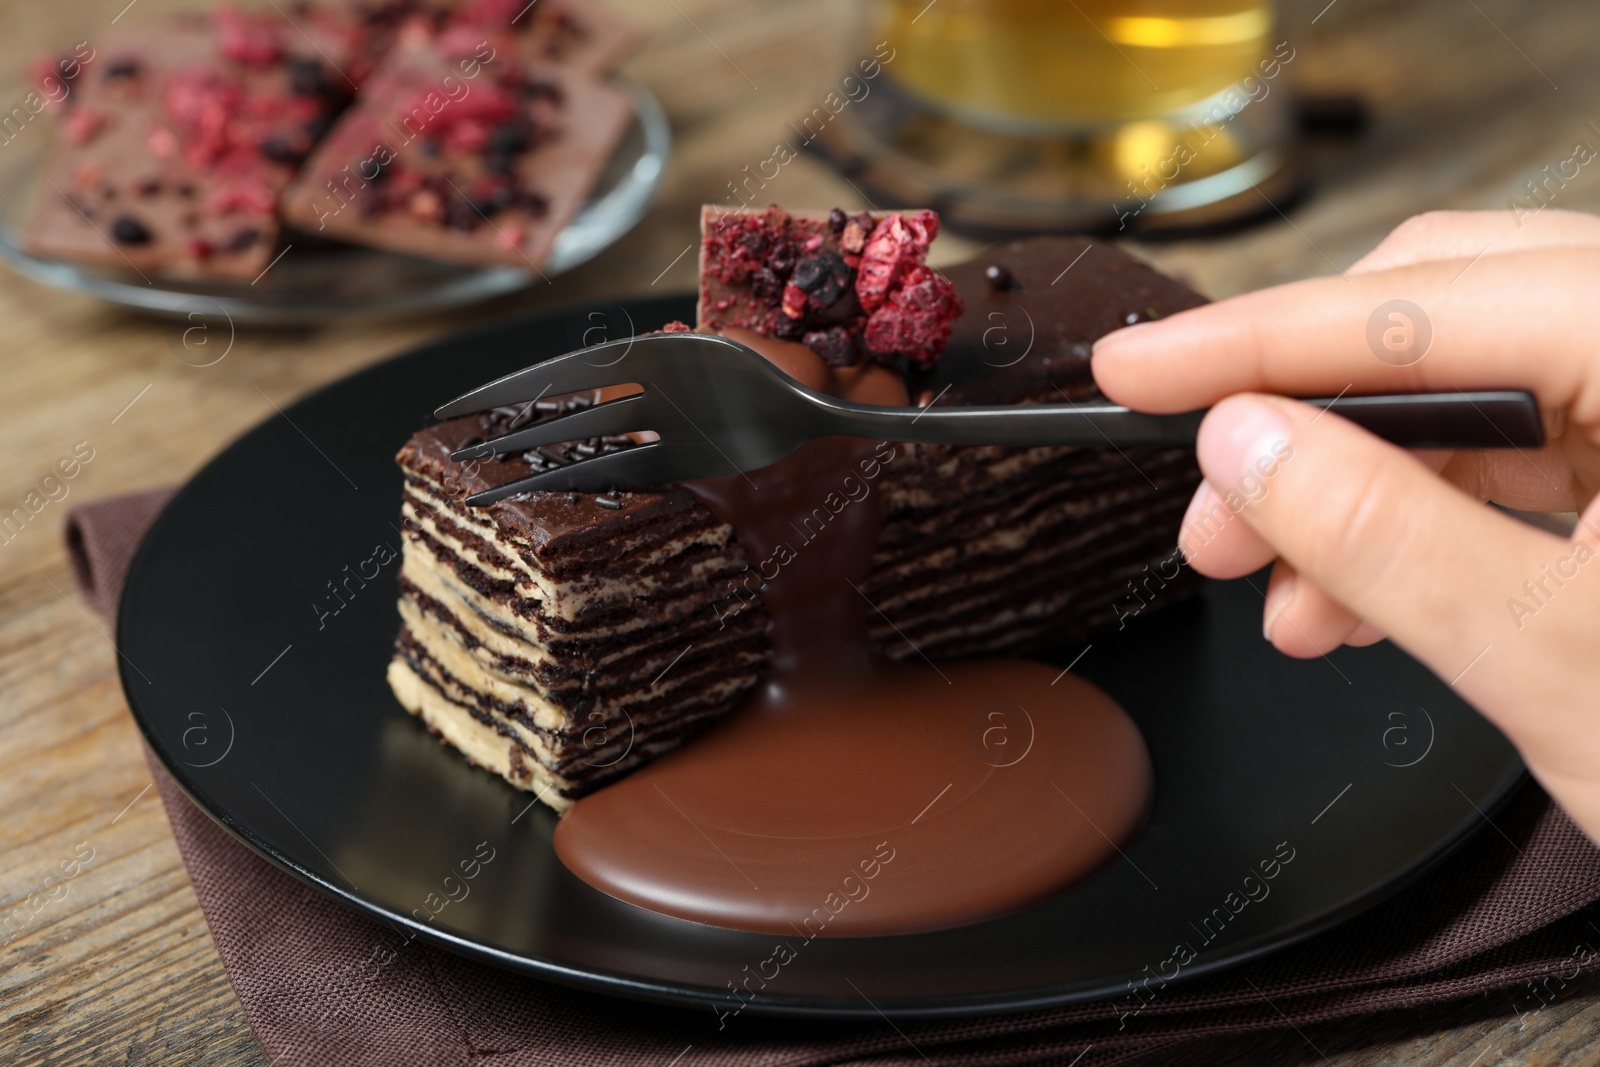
[178, 138]
[462, 149]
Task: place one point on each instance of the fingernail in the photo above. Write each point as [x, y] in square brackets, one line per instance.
[1117, 337]
[1242, 444]
[1201, 522]
[1279, 597]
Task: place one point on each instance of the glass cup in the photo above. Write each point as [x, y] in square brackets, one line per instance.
[1071, 114]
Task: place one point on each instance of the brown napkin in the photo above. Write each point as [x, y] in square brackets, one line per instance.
[322, 984]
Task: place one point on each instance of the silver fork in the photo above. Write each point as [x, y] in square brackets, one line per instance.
[720, 408]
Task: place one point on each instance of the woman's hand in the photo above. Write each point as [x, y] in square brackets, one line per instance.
[1371, 540]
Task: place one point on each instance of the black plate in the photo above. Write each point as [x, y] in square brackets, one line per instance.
[272, 711]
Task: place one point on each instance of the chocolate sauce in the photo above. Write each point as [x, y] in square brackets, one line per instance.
[853, 796]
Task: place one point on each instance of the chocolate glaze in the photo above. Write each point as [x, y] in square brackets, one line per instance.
[1053, 315]
[850, 796]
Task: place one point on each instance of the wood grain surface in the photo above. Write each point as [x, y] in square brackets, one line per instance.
[1471, 99]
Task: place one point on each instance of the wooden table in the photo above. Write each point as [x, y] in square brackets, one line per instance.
[121, 969]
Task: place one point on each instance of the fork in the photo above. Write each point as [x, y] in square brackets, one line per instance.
[719, 408]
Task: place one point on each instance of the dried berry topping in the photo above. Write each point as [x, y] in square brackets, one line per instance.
[127, 230]
[736, 243]
[510, 137]
[307, 77]
[915, 319]
[836, 220]
[785, 328]
[896, 245]
[835, 346]
[279, 149]
[121, 68]
[677, 327]
[81, 125]
[243, 239]
[249, 39]
[824, 276]
[783, 257]
[148, 188]
[998, 277]
[793, 302]
[461, 215]
[766, 286]
[317, 127]
[548, 91]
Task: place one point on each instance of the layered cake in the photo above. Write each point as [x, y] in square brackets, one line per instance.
[561, 639]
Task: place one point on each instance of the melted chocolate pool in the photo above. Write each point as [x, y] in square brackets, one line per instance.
[853, 796]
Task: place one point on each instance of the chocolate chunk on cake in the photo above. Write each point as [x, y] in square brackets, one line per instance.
[537, 632]
[466, 145]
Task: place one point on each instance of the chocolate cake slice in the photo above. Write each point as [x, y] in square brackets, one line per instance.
[560, 639]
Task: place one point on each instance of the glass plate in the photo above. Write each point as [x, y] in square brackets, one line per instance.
[340, 281]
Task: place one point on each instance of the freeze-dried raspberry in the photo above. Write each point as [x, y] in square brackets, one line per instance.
[244, 194]
[248, 39]
[81, 124]
[203, 105]
[896, 245]
[738, 244]
[677, 327]
[468, 124]
[915, 322]
[794, 301]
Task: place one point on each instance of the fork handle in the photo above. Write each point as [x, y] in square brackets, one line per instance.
[1499, 418]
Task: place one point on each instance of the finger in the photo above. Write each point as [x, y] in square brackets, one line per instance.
[1409, 554]
[1310, 338]
[1301, 620]
[1559, 477]
[1468, 234]
[1365, 634]
[1217, 543]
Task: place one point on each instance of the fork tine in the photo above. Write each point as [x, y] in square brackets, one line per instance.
[587, 368]
[614, 416]
[586, 476]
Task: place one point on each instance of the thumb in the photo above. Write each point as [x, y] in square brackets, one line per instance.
[1447, 577]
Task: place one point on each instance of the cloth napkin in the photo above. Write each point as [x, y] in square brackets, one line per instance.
[1508, 911]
